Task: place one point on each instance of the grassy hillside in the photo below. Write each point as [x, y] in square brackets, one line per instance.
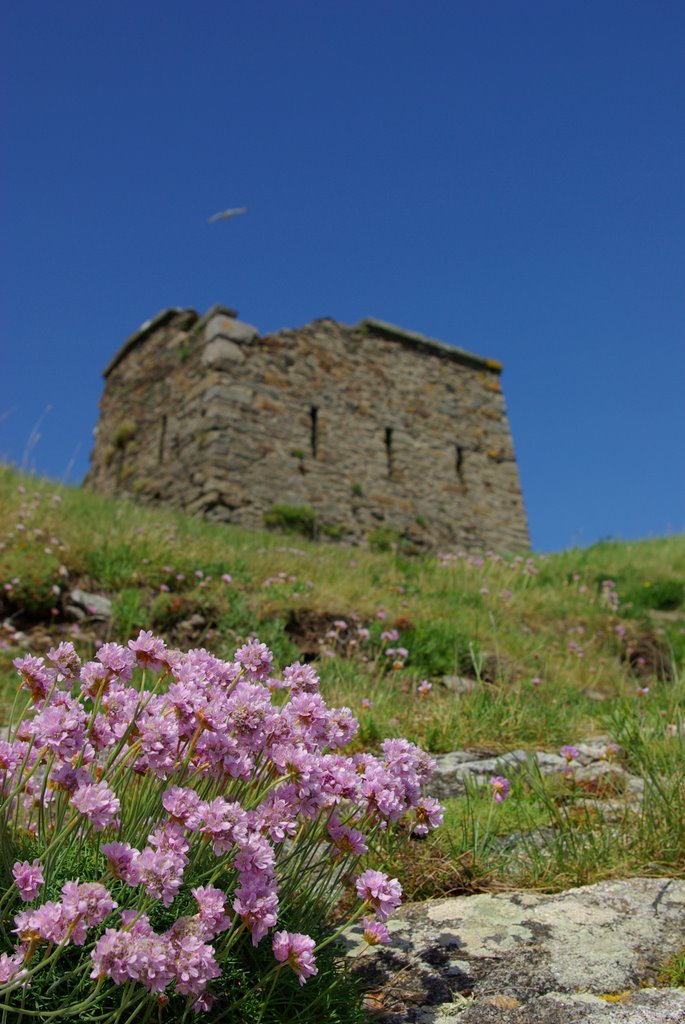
[452, 651]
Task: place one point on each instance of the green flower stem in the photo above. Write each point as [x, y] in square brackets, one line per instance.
[41, 802]
[58, 838]
[350, 921]
[63, 1012]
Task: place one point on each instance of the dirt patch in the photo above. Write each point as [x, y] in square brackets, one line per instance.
[307, 628]
[647, 655]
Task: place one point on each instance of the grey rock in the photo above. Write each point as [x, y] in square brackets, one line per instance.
[602, 769]
[221, 354]
[527, 958]
[608, 810]
[459, 684]
[456, 769]
[228, 327]
[93, 606]
[646, 1006]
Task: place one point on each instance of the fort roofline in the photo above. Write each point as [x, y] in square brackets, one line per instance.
[410, 339]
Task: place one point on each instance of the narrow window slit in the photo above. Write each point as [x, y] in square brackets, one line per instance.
[162, 439]
[459, 462]
[389, 452]
[314, 429]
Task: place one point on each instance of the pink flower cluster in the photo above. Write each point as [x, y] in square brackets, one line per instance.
[28, 878]
[296, 950]
[236, 776]
[183, 954]
[67, 920]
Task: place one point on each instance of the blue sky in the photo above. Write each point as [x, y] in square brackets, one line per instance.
[504, 176]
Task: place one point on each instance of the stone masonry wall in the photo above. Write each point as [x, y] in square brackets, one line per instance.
[371, 425]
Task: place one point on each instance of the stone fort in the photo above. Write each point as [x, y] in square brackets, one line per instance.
[367, 430]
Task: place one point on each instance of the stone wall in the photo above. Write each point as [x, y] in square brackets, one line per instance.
[372, 426]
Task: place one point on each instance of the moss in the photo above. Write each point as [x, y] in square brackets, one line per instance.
[124, 434]
[292, 519]
[332, 530]
[383, 538]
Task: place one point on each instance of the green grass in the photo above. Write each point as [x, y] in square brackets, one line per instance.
[673, 971]
[520, 655]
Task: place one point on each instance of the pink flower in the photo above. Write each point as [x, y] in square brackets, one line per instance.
[47, 922]
[11, 966]
[98, 803]
[150, 651]
[389, 635]
[225, 822]
[85, 906]
[123, 955]
[255, 658]
[193, 962]
[569, 753]
[61, 727]
[256, 902]
[37, 679]
[298, 951]
[158, 740]
[301, 678]
[375, 932]
[500, 788]
[212, 910]
[346, 840]
[382, 893]
[424, 688]
[159, 871]
[64, 656]
[429, 814]
[120, 857]
[28, 878]
[119, 660]
[183, 805]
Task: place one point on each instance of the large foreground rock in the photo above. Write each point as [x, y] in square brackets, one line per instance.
[526, 958]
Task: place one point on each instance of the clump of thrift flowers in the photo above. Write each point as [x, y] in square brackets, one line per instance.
[210, 792]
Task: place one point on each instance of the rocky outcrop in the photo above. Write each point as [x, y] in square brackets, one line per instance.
[586, 956]
[595, 762]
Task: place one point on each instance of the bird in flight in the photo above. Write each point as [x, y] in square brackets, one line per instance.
[226, 214]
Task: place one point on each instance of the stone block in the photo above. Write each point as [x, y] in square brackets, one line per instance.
[222, 354]
[227, 327]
